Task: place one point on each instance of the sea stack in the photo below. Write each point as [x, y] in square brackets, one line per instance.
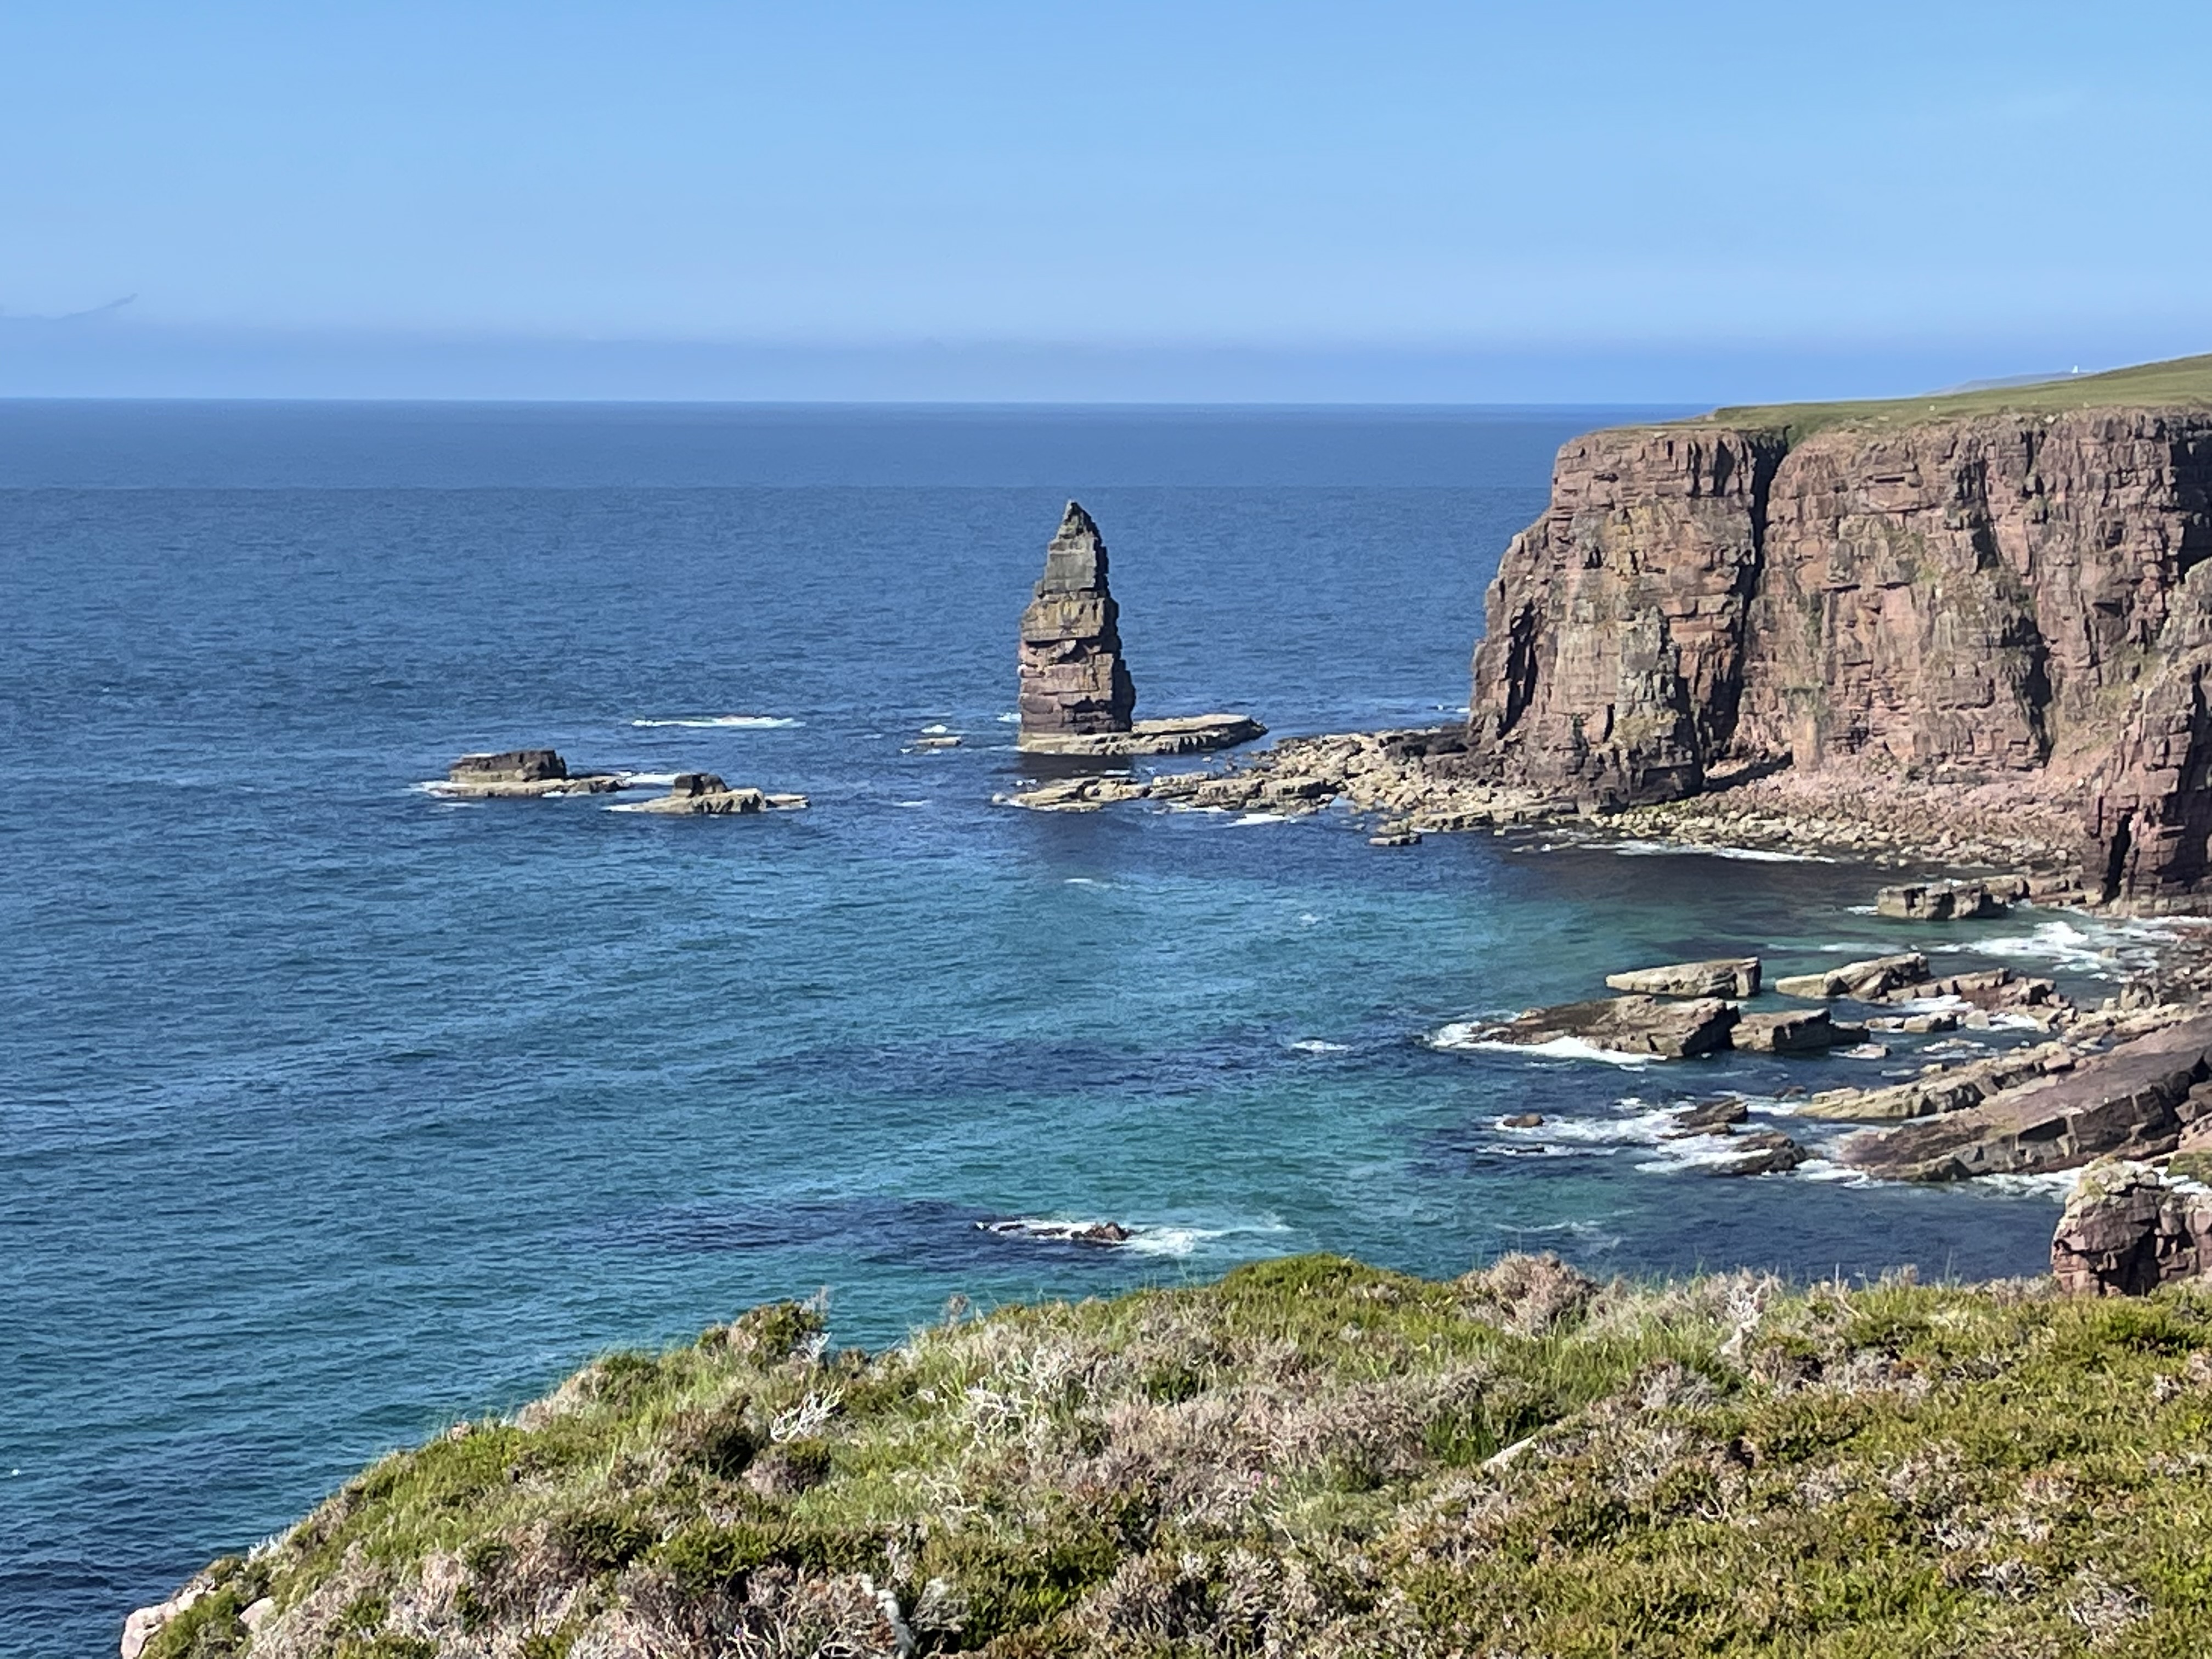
[1077, 697]
[1073, 682]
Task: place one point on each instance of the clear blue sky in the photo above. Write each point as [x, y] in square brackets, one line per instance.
[1330, 195]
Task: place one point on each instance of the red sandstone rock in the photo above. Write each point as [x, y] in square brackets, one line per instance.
[2010, 595]
[1073, 682]
[2126, 1230]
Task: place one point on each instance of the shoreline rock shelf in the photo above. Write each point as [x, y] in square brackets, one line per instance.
[1076, 695]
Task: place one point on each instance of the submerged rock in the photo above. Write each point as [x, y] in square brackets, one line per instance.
[1723, 977]
[2127, 1230]
[1629, 1025]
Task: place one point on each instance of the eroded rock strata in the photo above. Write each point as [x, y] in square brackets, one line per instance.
[2008, 600]
[1073, 682]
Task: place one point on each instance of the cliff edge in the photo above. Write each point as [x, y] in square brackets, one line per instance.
[1990, 588]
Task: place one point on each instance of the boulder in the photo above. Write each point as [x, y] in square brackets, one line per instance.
[1522, 1121]
[2127, 1230]
[1631, 1025]
[1793, 1032]
[1724, 976]
[1938, 901]
[1709, 1117]
[2126, 1101]
[1073, 682]
[705, 794]
[1763, 1151]
[1864, 981]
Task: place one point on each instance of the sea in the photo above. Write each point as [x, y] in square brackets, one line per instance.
[332, 1112]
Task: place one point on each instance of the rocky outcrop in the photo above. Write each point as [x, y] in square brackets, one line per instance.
[522, 775]
[1724, 976]
[1629, 1025]
[2128, 1229]
[1866, 980]
[1793, 1032]
[1181, 734]
[706, 794]
[2018, 596]
[1073, 682]
[2136, 1100]
[1948, 901]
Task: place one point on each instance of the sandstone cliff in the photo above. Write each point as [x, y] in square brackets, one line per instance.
[1950, 598]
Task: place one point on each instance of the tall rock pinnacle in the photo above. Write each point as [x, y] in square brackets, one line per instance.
[1073, 682]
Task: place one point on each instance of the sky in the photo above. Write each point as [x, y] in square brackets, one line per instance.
[1570, 201]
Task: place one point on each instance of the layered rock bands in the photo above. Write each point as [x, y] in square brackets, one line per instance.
[2015, 596]
[1073, 682]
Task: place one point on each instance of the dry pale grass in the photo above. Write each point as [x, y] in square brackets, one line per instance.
[1310, 1457]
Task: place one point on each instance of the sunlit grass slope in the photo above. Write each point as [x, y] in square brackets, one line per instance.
[1312, 1457]
[2181, 382]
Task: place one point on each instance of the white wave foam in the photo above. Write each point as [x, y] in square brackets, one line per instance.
[663, 779]
[1308, 919]
[1643, 1129]
[910, 803]
[1082, 881]
[2099, 949]
[1645, 849]
[1013, 719]
[731, 722]
[1460, 1034]
[1260, 817]
[1138, 1238]
[1316, 1046]
[937, 729]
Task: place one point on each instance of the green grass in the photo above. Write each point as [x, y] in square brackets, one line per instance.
[1311, 1456]
[2180, 382]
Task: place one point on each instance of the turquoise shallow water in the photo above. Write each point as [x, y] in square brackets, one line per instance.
[332, 1112]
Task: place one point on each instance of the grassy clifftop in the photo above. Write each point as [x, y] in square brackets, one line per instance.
[2180, 382]
[1313, 1457]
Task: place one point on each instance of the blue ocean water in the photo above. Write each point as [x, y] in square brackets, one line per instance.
[329, 1112]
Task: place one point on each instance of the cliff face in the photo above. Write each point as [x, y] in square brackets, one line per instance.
[2007, 596]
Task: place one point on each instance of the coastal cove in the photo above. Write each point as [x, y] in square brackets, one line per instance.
[337, 1111]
